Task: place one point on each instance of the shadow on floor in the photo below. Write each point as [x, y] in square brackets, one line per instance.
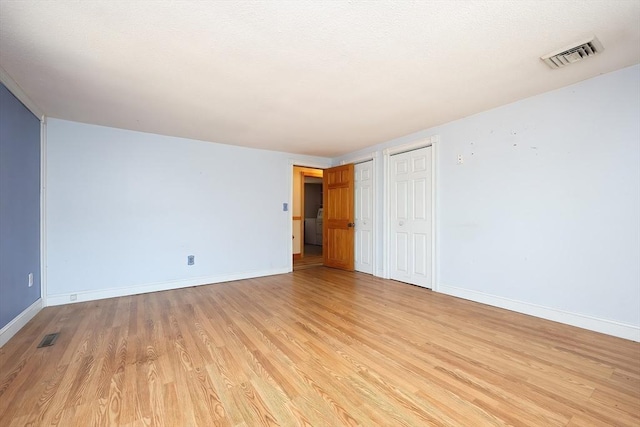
[312, 258]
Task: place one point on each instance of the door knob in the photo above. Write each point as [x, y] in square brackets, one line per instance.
[401, 223]
[351, 224]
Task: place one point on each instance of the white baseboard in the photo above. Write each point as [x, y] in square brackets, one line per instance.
[82, 296]
[19, 321]
[609, 327]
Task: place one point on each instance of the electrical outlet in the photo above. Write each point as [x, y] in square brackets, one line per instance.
[191, 259]
[30, 279]
[73, 297]
[460, 159]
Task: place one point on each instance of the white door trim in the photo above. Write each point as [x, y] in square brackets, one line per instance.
[386, 229]
[361, 159]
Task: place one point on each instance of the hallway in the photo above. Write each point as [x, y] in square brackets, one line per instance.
[312, 258]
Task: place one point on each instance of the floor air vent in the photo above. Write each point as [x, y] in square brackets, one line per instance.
[574, 53]
[48, 340]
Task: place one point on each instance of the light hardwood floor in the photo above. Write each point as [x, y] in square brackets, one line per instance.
[312, 258]
[317, 347]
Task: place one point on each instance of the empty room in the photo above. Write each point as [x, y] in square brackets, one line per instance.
[320, 213]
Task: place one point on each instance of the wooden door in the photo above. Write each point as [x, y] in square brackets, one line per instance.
[338, 222]
[410, 217]
[364, 217]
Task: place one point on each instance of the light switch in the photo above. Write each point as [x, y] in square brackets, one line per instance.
[285, 207]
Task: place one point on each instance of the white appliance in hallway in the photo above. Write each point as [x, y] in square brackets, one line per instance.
[319, 227]
[313, 229]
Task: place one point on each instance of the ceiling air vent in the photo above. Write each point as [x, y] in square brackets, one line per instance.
[574, 53]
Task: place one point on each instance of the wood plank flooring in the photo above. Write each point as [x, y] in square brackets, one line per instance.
[312, 258]
[317, 347]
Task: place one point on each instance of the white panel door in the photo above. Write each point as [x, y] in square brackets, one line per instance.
[364, 217]
[410, 217]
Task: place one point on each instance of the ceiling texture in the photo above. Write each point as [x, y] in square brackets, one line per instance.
[310, 77]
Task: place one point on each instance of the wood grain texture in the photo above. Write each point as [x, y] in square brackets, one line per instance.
[318, 347]
[312, 258]
[338, 233]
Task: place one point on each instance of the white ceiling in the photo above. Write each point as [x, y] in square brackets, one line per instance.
[309, 77]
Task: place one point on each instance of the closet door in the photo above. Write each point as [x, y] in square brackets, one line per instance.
[410, 217]
[364, 217]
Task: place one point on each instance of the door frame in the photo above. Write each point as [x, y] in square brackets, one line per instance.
[305, 163]
[432, 142]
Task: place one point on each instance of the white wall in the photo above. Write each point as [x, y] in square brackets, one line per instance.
[125, 209]
[543, 216]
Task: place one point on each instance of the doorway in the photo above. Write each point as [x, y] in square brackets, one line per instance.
[307, 217]
[313, 230]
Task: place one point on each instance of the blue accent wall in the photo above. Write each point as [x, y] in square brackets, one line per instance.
[19, 206]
